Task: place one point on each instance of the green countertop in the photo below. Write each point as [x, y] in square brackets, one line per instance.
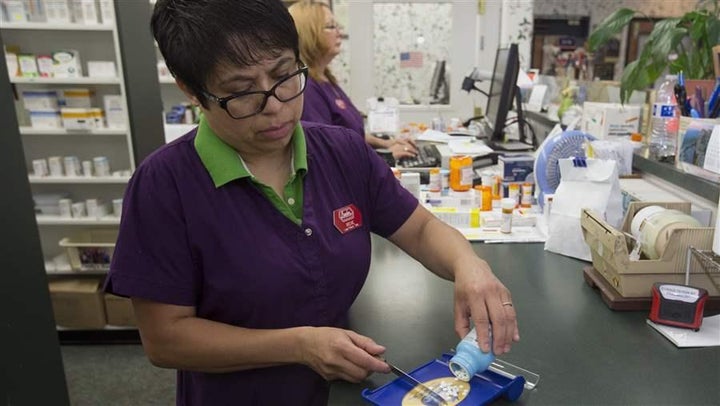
[585, 353]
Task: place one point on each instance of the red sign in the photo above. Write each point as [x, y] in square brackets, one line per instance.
[347, 218]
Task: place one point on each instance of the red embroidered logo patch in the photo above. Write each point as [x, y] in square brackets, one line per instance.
[347, 218]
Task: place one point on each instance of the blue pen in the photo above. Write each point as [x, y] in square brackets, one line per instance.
[681, 95]
[694, 113]
[681, 81]
[699, 101]
[714, 97]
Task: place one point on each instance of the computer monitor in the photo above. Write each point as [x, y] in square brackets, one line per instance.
[439, 90]
[502, 91]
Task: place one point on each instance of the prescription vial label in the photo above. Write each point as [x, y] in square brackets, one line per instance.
[461, 173]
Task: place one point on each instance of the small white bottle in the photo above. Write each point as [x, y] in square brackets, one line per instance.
[469, 359]
[507, 205]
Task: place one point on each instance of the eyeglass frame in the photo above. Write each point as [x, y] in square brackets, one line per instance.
[333, 26]
[223, 101]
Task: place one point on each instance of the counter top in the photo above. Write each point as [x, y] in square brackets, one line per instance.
[668, 172]
[584, 352]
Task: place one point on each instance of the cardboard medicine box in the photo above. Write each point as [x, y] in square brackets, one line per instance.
[607, 120]
[119, 311]
[40, 99]
[66, 64]
[610, 250]
[516, 168]
[78, 303]
[45, 118]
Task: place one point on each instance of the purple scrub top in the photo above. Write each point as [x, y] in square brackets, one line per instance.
[328, 104]
[232, 255]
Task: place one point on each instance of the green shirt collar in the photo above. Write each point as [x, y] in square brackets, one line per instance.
[224, 163]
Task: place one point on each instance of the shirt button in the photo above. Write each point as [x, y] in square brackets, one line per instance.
[308, 232]
[291, 201]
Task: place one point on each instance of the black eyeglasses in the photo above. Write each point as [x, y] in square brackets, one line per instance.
[247, 104]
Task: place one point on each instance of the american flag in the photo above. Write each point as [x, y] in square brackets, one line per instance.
[412, 59]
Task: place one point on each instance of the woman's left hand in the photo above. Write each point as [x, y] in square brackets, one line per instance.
[481, 296]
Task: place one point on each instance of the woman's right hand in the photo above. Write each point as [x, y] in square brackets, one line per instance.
[341, 354]
[403, 148]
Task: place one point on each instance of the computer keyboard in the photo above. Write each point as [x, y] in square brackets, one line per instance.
[428, 157]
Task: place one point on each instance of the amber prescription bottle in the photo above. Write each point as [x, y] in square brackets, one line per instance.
[461, 173]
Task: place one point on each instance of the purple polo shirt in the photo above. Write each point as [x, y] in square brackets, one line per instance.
[230, 253]
[328, 104]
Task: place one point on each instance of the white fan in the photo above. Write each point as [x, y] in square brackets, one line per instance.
[561, 145]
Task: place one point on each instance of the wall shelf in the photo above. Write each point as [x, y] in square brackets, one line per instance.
[24, 130]
[45, 220]
[120, 180]
[85, 80]
[76, 273]
[57, 26]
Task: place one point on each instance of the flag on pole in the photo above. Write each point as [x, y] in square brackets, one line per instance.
[412, 59]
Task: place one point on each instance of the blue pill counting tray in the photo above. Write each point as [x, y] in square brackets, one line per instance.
[483, 388]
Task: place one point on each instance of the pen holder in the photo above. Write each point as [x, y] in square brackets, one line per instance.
[707, 86]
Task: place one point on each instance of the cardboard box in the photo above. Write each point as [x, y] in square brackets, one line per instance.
[78, 303]
[610, 250]
[66, 64]
[40, 99]
[119, 311]
[45, 119]
[516, 168]
[76, 98]
[607, 120]
[114, 110]
[78, 118]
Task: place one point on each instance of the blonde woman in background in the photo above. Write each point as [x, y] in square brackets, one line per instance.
[325, 102]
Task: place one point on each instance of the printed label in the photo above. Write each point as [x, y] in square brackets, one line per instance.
[680, 293]
[664, 110]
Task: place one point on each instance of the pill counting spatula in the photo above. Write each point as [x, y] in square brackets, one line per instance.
[430, 397]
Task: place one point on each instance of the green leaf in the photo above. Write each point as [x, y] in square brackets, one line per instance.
[635, 77]
[713, 31]
[696, 26]
[609, 28]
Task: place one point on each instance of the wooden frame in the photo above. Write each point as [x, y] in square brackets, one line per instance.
[637, 34]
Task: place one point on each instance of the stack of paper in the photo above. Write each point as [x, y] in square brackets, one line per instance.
[707, 336]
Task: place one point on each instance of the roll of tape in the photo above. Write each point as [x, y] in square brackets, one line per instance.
[656, 230]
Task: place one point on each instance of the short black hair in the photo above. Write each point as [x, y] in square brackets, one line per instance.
[197, 36]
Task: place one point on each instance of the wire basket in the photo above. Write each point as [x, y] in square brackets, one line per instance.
[707, 261]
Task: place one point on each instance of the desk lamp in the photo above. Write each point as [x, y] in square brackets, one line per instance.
[469, 81]
[468, 84]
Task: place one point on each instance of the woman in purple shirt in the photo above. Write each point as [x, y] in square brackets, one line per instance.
[325, 101]
[244, 243]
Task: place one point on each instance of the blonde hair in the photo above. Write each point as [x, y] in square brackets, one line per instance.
[309, 19]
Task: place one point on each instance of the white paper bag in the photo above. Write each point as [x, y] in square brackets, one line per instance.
[584, 183]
